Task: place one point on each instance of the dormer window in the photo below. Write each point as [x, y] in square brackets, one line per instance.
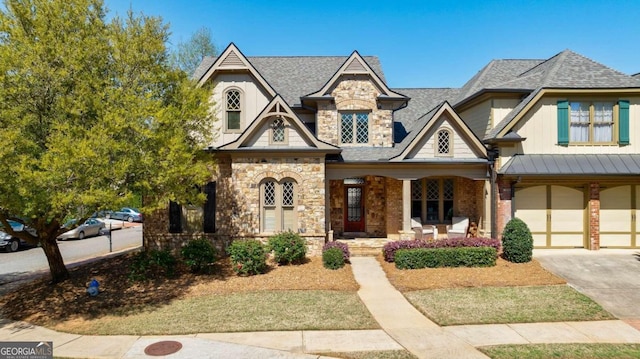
[444, 143]
[278, 134]
[233, 110]
[591, 122]
[354, 127]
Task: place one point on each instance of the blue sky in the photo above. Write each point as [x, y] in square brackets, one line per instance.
[419, 43]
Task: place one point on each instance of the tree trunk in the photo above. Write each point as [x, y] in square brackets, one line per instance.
[57, 268]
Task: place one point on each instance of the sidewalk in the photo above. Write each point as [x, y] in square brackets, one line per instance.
[402, 327]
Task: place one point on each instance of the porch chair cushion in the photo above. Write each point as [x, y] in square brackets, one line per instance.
[458, 227]
[422, 231]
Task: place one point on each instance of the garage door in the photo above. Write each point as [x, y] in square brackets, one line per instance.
[618, 227]
[555, 214]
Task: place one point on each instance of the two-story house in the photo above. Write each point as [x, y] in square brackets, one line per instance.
[320, 145]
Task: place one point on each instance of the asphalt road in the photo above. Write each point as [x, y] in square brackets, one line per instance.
[30, 261]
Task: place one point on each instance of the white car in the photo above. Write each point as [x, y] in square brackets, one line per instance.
[90, 227]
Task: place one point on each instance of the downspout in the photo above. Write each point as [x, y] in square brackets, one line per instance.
[494, 198]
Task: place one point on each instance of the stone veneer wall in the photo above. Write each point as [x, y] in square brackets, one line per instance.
[359, 94]
[394, 206]
[469, 195]
[336, 201]
[375, 206]
[238, 203]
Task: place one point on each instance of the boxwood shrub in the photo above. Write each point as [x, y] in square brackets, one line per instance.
[333, 258]
[390, 248]
[248, 256]
[517, 242]
[445, 257]
[288, 247]
[199, 254]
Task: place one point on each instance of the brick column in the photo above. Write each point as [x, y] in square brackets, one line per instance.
[594, 216]
[503, 214]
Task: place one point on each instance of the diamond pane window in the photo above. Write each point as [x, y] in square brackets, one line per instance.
[287, 194]
[270, 193]
[443, 142]
[362, 128]
[347, 128]
[233, 108]
[447, 192]
[278, 130]
[433, 190]
[416, 190]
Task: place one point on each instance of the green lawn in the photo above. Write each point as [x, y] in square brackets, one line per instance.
[253, 311]
[563, 351]
[496, 305]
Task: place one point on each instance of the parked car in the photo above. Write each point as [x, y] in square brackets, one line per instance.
[10, 243]
[125, 214]
[90, 227]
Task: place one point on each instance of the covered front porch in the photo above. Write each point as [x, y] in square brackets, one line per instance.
[379, 203]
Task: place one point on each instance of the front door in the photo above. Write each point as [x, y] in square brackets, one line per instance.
[354, 209]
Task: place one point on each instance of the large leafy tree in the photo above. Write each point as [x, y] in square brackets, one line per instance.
[91, 114]
[188, 55]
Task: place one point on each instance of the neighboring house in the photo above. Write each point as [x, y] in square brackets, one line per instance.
[323, 147]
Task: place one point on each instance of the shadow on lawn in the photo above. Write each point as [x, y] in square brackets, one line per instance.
[40, 302]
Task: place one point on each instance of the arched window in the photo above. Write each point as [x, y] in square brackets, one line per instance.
[278, 131]
[444, 143]
[233, 107]
[278, 206]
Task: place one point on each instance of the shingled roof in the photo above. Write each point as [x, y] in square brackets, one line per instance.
[295, 76]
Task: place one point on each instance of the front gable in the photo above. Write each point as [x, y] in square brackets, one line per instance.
[444, 136]
[277, 127]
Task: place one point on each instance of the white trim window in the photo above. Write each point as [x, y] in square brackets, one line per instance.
[443, 145]
[278, 131]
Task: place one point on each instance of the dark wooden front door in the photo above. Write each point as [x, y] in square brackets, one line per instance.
[354, 209]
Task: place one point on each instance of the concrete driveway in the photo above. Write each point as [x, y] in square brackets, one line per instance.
[611, 277]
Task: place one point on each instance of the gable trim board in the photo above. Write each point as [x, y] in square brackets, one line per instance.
[460, 128]
[232, 59]
[278, 107]
[355, 65]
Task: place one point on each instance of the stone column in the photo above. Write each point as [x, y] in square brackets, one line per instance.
[594, 216]
[406, 233]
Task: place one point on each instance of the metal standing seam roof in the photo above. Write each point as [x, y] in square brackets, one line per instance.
[574, 164]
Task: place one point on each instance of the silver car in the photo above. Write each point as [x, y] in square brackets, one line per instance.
[90, 227]
[125, 214]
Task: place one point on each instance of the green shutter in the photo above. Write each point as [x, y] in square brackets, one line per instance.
[563, 123]
[623, 122]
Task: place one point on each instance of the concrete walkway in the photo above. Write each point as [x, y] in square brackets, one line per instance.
[402, 327]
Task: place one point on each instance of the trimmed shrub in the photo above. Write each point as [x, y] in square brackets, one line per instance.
[517, 242]
[147, 265]
[248, 257]
[445, 257]
[390, 248]
[199, 254]
[333, 258]
[341, 246]
[288, 247]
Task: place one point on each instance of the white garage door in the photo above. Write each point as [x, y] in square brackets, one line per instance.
[555, 215]
[618, 226]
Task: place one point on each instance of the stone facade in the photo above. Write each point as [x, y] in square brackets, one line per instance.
[358, 94]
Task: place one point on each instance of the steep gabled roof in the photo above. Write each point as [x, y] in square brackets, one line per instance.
[356, 65]
[419, 135]
[231, 59]
[294, 76]
[278, 107]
